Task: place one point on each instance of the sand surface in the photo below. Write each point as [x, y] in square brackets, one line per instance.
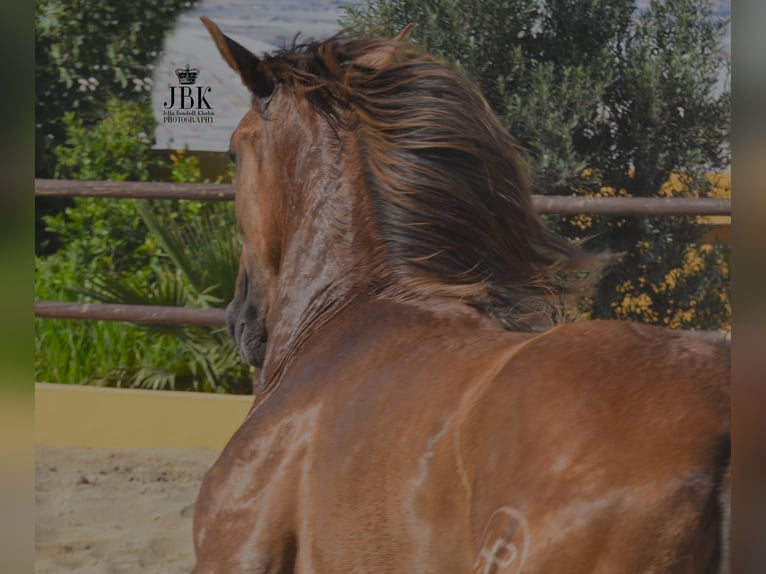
[116, 511]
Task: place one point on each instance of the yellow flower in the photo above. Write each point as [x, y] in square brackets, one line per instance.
[582, 221]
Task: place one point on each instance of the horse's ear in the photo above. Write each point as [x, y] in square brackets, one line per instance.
[243, 61]
[382, 57]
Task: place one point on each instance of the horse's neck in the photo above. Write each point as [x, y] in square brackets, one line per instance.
[322, 271]
[300, 314]
[393, 324]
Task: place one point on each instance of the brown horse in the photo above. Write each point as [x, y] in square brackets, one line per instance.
[415, 412]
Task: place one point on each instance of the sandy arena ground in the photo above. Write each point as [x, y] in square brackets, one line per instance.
[102, 511]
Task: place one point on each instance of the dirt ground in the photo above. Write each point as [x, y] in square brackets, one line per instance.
[102, 511]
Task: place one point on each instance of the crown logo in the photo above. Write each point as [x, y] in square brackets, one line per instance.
[186, 75]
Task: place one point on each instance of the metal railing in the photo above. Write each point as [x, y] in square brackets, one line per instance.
[547, 205]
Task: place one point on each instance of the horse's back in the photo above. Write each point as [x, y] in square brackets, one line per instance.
[601, 447]
[407, 446]
[593, 447]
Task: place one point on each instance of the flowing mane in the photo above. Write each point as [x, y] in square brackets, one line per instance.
[449, 197]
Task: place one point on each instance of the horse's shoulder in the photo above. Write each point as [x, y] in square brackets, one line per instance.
[636, 341]
[633, 357]
[600, 375]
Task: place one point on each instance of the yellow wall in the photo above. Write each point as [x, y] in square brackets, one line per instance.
[79, 415]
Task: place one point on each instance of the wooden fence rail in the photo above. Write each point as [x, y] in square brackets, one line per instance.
[156, 315]
[146, 314]
[545, 204]
[133, 190]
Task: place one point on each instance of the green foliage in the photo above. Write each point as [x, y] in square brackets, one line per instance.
[94, 121]
[197, 268]
[88, 52]
[207, 258]
[86, 55]
[114, 149]
[661, 132]
[88, 351]
[186, 259]
[136, 252]
[602, 101]
[106, 236]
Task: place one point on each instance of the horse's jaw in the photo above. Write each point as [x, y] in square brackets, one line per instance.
[248, 329]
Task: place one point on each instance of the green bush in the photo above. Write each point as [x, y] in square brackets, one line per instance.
[186, 259]
[86, 55]
[94, 121]
[114, 149]
[136, 252]
[89, 52]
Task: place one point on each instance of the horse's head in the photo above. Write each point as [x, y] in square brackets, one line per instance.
[366, 168]
[256, 207]
[281, 147]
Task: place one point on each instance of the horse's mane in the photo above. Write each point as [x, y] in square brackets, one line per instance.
[447, 187]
